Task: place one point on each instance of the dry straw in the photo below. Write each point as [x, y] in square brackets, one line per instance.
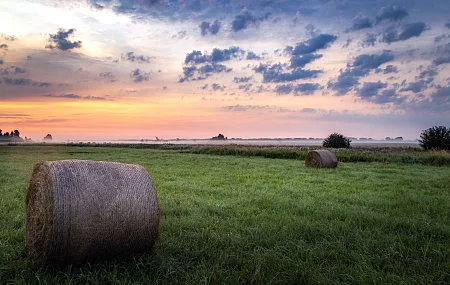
[321, 159]
[79, 210]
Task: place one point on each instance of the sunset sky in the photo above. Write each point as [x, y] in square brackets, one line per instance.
[112, 69]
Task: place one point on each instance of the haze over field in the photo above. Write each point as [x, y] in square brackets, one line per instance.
[111, 69]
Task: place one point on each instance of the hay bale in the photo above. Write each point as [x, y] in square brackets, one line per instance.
[78, 210]
[321, 159]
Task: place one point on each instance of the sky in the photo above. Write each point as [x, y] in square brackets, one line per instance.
[116, 69]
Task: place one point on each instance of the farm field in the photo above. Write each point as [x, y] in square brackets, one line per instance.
[233, 216]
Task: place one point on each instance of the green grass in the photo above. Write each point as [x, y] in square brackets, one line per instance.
[253, 220]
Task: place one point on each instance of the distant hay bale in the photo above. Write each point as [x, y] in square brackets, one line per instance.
[321, 159]
[78, 210]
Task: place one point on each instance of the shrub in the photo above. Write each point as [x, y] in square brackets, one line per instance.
[336, 140]
[435, 138]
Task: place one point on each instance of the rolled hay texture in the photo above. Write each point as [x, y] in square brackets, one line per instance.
[321, 159]
[78, 210]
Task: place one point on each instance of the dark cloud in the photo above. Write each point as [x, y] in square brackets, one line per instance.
[203, 72]
[448, 24]
[388, 69]
[217, 55]
[388, 96]
[3, 46]
[130, 56]
[8, 38]
[244, 108]
[242, 79]
[370, 89]
[441, 60]
[405, 32]
[302, 60]
[311, 30]
[299, 89]
[275, 73]
[361, 66]
[245, 87]
[415, 87]
[428, 75]
[311, 45]
[391, 13]
[108, 75]
[12, 70]
[369, 40]
[139, 75]
[207, 27]
[252, 56]
[1, 61]
[347, 43]
[360, 22]
[217, 87]
[244, 20]
[25, 82]
[61, 41]
[440, 38]
[75, 96]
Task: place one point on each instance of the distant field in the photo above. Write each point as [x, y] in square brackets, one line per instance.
[243, 218]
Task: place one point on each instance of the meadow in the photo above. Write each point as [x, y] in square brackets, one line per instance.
[243, 215]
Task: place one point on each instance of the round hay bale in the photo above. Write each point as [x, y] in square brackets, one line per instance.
[321, 159]
[78, 210]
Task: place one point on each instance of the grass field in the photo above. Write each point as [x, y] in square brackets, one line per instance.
[255, 220]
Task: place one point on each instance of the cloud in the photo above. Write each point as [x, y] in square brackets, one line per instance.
[61, 41]
[415, 87]
[274, 73]
[391, 13]
[25, 82]
[389, 69]
[302, 60]
[299, 89]
[244, 20]
[207, 27]
[242, 79]
[448, 24]
[311, 30]
[440, 38]
[361, 66]
[441, 60]
[311, 45]
[8, 38]
[108, 75]
[139, 75]
[252, 56]
[1, 61]
[12, 70]
[4, 46]
[75, 96]
[130, 56]
[370, 89]
[245, 87]
[360, 22]
[405, 32]
[369, 40]
[244, 108]
[203, 72]
[217, 87]
[217, 55]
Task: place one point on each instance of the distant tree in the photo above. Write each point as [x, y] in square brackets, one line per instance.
[16, 133]
[219, 137]
[1, 132]
[435, 138]
[336, 140]
[6, 134]
[48, 137]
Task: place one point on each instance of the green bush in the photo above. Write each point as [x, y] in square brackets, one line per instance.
[435, 138]
[336, 140]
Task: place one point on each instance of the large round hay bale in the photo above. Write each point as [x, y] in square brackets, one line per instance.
[321, 159]
[78, 210]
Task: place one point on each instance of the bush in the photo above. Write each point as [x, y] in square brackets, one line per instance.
[435, 138]
[336, 141]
